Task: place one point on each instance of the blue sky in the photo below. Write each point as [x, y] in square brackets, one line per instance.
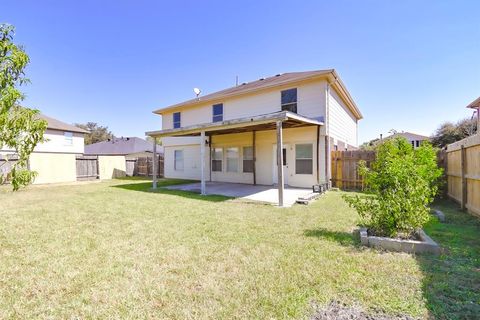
[409, 65]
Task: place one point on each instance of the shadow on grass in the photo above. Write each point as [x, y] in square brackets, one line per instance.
[344, 238]
[147, 187]
[451, 283]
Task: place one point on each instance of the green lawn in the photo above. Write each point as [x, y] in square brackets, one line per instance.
[117, 250]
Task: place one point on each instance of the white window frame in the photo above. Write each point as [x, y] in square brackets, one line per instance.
[287, 106]
[68, 138]
[175, 166]
[215, 159]
[179, 120]
[214, 116]
[311, 159]
[247, 159]
[228, 159]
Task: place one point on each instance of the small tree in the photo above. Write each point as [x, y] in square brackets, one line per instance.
[20, 129]
[403, 181]
[96, 133]
[449, 132]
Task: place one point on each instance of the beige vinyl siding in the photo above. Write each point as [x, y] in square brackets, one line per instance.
[311, 103]
[191, 162]
[57, 143]
[53, 167]
[111, 167]
[311, 99]
[342, 123]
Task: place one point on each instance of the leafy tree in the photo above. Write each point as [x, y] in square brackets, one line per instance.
[97, 133]
[150, 139]
[449, 132]
[20, 129]
[403, 181]
[369, 145]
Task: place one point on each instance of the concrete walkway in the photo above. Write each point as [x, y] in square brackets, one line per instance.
[246, 191]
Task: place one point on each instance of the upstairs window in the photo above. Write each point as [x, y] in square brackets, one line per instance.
[304, 159]
[176, 120]
[247, 159]
[217, 111]
[68, 138]
[217, 157]
[289, 100]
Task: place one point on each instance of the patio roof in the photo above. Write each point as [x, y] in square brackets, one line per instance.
[247, 124]
[271, 121]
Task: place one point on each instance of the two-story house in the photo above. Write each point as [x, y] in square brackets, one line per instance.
[54, 159]
[232, 135]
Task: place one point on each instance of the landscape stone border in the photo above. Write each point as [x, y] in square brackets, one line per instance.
[439, 214]
[424, 245]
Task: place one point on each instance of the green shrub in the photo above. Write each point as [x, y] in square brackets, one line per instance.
[402, 182]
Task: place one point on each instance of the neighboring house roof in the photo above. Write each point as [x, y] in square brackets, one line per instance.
[475, 104]
[121, 146]
[55, 124]
[270, 82]
[408, 136]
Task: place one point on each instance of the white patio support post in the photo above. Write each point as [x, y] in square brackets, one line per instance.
[202, 163]
[280, 163]
[154, 164]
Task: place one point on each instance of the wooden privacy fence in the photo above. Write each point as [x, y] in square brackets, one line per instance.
[143, 166]
[463, 173]
[345, 168]
[87, 167]
[6, 165]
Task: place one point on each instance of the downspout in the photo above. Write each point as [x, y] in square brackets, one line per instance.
[328, 155]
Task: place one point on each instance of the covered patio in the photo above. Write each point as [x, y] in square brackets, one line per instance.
[260, 193]
[273, 121]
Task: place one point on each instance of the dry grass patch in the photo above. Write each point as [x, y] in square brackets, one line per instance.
[116, 249]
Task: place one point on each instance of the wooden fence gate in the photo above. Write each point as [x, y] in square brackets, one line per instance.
[87, 168]
[463, 173]
[144, 166]
[345, 168]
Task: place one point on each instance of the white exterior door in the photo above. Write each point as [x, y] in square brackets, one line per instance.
[285, 151]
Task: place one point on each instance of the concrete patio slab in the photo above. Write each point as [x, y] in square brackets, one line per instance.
[267, 194]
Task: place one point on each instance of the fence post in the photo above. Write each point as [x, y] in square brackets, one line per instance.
[464, 180]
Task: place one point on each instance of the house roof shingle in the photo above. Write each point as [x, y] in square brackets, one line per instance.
[265, 83]
[408, 136]
[55, 124]
[120, 146]
[475, 104]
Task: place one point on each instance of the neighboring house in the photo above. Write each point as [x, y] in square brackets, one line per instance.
[414, 139]
[476, 106]
[130, 147]
[54, 159]
[310, 113]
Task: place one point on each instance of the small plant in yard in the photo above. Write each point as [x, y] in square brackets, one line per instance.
[402, 182]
